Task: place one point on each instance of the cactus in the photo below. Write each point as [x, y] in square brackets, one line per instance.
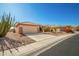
[6, 22]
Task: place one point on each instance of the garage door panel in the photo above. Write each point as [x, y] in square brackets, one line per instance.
[30, 29]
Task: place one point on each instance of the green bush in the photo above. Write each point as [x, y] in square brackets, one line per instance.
[6, 22]
[47, 29]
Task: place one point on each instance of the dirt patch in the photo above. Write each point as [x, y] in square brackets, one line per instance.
[13, 40]
[25, 39]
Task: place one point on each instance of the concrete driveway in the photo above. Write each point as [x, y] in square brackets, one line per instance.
[40, 36]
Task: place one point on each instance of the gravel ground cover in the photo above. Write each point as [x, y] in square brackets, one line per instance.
[13, 40]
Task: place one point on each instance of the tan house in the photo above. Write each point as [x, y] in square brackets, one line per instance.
[27, 27]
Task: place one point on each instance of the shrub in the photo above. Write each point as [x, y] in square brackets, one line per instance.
[46, 29]
[68, 29]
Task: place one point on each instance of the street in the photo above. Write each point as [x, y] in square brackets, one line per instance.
[69, 47]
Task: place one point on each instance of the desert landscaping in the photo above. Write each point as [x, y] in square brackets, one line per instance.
[25, 33]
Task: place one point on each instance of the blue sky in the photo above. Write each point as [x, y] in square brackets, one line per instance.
[44, 13]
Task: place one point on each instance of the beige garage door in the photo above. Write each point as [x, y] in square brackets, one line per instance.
[30, 29]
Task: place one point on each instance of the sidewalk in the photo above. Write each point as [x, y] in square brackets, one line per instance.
[35, 47]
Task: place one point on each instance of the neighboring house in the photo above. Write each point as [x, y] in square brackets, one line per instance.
[27, 27]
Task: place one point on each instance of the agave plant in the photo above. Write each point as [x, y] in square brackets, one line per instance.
[6, 22]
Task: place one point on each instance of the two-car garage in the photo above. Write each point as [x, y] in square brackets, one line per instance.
[27, 28]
